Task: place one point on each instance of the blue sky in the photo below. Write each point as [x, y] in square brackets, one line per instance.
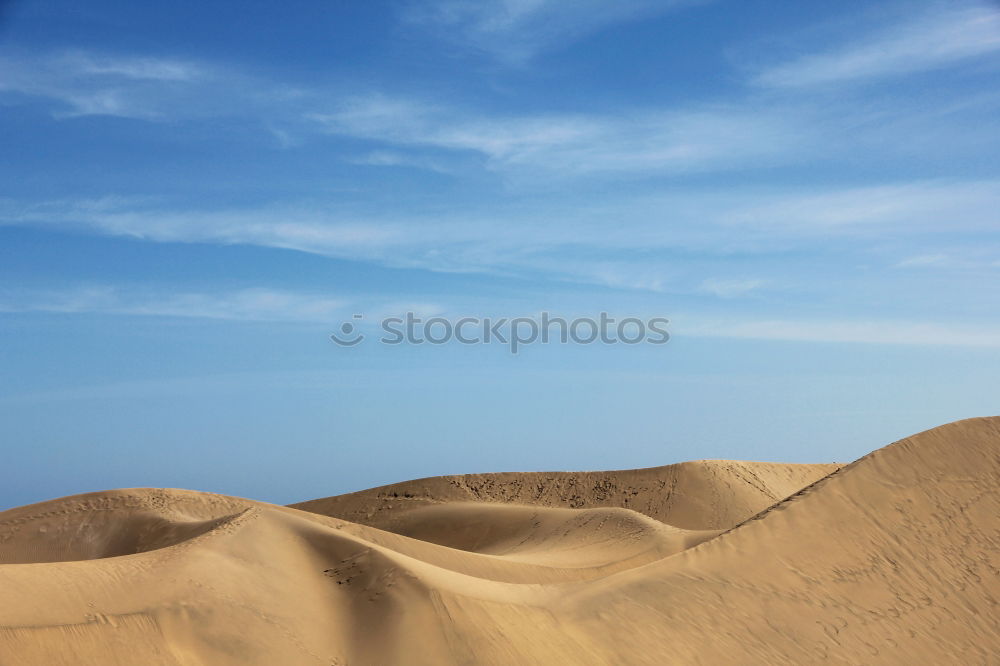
[193, 196]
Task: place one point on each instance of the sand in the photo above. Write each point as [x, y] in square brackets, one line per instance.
[891, 559]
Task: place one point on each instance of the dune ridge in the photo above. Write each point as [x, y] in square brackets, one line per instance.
[891, 559]
[704, 494]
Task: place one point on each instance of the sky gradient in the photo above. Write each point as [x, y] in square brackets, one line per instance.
[194, 195]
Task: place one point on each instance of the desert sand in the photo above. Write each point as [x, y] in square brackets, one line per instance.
[892, 559]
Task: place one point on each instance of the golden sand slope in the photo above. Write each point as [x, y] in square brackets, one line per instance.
[706, 494]
[893, 559]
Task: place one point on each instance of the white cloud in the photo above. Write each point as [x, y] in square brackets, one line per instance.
[868, 332]
[743, 134]
[630, 275]
[306, 230]
[925, 260]
[514, 31]
[921, 206]
[712, 137]
[527, 148]
[244, 304]
[614, 241]
[732, 244]
[939, 38]
[80, 63]
[730, 288]
[275, 305]
[82, 83]
[392, 158]
[976, 256]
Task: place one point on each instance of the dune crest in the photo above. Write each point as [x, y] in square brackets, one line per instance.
[893, 558]
[700, 495]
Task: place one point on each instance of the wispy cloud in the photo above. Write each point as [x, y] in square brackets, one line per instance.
[925, 260]
[526, 147]
[83, 83]
[138, 68]
[730, 288]
[710, 137]
[682, 219]
[743, 133]
[275, 305]
[921, 206]
[664, 237]
[950, 33]
[304, 229]
[393, 158]
[977, 257]
[867, 332]
[259, 304]
[514, 31]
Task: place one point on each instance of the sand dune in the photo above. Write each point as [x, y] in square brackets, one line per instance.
[706, 494]
[891, 559]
